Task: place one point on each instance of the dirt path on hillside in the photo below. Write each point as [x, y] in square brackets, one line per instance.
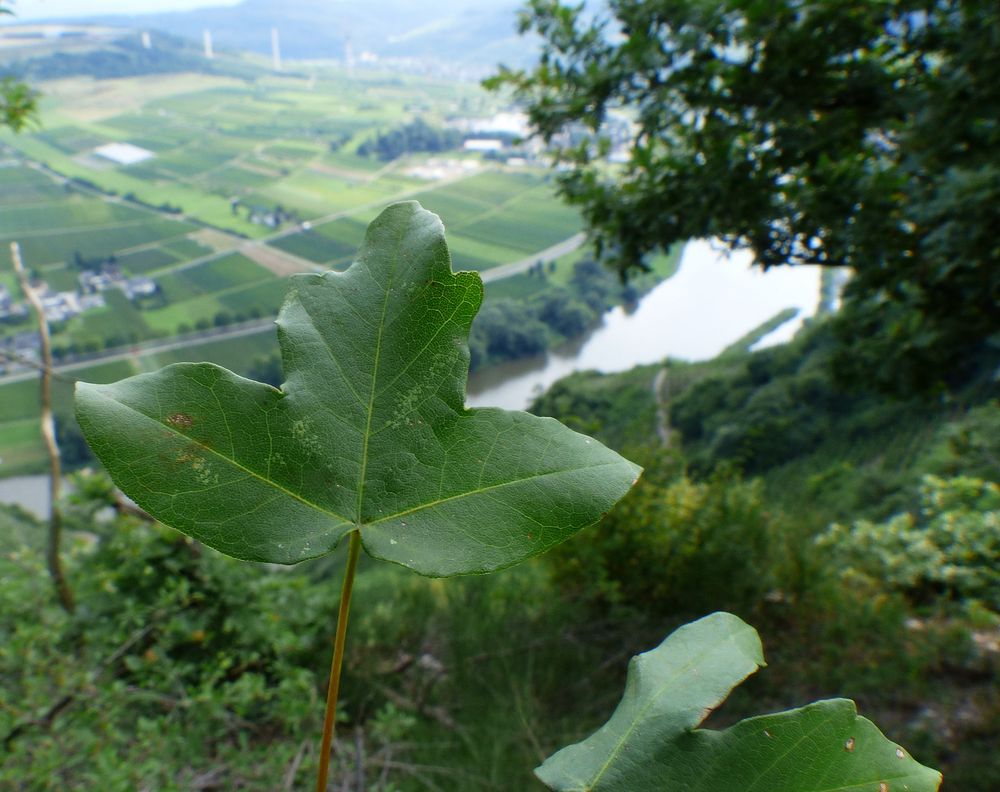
[280, 262]
[661, 386]
[218, 241]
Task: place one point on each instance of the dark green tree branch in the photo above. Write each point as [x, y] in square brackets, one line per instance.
[861, 135]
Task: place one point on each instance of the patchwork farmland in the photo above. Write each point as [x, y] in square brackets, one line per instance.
[185, 202]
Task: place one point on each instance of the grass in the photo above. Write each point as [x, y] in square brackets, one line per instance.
[527, 228]
[22, 177]
[233, 284]
[187, 313]
[61, 278]
[20, 447]
[224, 273]
[491, 189]
[72, 139]
[313, 194]
[175, 288]
[517, 287]
[233, 178]
[186, 248]
[348, 230]
[453, 209]
[265, 297]
[474, 254]
[266, 142]
[237, 354]
[20, 400]
[295, 151]
[207, 207]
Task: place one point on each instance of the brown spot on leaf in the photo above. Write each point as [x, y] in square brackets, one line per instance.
[180, 420]
[849, 745]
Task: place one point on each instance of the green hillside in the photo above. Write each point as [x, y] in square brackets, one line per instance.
[514, 664]
[749, 461]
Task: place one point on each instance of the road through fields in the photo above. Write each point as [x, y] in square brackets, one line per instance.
[260, 325]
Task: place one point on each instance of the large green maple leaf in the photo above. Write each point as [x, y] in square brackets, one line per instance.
[369, 431]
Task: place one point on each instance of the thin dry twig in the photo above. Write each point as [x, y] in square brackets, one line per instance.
[438, 713]
[359, 759]
[49, 434]
[293, 768]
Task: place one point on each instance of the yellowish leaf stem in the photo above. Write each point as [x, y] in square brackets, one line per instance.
[333, 690]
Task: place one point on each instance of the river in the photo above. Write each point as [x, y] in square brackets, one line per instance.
[712, 301]
[28, 492]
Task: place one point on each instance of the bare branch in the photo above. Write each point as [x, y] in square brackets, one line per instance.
[48, 434]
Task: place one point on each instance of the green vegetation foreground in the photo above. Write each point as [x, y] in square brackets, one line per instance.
[217, 663]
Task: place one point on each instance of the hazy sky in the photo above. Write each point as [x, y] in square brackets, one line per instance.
[38, 9]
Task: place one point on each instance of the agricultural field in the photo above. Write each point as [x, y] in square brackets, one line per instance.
[492, 218]
[224, 187]
[52, 219]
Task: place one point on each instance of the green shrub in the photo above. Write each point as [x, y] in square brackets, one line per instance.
[950, 548]
[678, 547]
[178, 660]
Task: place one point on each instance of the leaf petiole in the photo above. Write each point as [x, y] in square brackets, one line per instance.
[333, 690]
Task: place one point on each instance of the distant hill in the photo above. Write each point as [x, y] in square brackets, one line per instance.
[479, 33]
[44, 52]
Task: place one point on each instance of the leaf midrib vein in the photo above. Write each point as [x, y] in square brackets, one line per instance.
[363, 473]
[345, 520]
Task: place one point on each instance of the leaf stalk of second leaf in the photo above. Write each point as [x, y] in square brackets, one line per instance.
[333, 690]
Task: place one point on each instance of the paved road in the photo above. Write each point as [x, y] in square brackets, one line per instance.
[124, 353]
[150, 347]
[575, 242]
[241, 245]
